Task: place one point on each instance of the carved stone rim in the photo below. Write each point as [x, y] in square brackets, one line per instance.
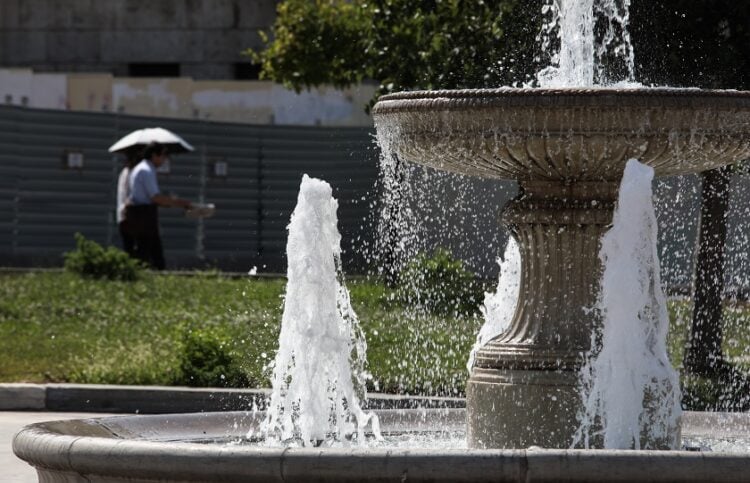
[656, 97]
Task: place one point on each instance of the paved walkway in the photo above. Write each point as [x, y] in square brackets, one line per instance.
[12, 469]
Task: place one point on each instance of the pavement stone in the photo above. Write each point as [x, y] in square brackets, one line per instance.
[12, 469]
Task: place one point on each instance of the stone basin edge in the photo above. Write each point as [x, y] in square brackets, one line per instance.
[93, 451]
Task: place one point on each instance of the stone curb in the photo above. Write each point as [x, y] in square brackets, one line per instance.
[164, 399]
[165, 448]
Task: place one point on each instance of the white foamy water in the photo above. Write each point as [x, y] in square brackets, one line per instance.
[319, 370]
[579, 57]
[630, 389]
[500, 306]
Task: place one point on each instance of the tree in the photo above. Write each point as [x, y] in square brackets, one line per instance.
[402, 44]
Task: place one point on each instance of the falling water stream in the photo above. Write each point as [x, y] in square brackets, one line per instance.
[500, 305]
[579, 57]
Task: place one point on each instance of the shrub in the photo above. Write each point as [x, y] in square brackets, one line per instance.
[726, 390]
[90, 259]
[207, 360]
[440, 284]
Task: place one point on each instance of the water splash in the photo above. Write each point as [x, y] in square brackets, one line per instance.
[614, 56]
[630, 389]
[319, 370]
[578, 56]
[423, 208]
[500, 306]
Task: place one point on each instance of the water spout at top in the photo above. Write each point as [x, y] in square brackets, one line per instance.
[578, 56]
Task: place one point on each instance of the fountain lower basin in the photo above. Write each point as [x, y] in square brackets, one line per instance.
[193, 448]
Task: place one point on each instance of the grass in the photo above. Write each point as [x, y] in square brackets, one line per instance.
[59, 327]
[736, 322]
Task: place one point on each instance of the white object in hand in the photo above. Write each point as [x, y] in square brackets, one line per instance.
[200, 210]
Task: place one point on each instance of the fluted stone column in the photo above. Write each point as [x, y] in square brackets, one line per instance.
[523, 386]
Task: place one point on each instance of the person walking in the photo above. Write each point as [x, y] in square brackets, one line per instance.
[141, 213]
[132, 156]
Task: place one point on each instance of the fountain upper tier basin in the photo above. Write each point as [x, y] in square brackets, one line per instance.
[566, 134]
[178, 448]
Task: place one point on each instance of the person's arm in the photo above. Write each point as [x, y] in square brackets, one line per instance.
[168, 201]
[152, 190]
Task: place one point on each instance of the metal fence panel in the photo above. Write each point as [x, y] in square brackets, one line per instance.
[43, 203]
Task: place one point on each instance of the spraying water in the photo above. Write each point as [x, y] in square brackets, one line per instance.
[578, 57]
[630, 388]
[499, 306]
[319, 371]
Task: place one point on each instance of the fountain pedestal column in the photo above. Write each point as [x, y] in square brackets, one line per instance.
[523, 388]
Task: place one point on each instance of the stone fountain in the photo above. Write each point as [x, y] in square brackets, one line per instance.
[567, 149]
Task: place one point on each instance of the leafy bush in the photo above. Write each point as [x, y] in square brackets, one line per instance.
[727, 390]
[440, 284]
[207, 360]
[90, 259]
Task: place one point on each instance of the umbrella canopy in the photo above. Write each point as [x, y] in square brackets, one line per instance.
[142, 137]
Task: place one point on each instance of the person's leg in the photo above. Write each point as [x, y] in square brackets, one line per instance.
[141, 249]
[148, 249]
[158, 253]
[136, 225]
[128, 242]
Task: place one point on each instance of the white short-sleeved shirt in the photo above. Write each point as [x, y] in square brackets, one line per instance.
[123, 193]
[143, 183]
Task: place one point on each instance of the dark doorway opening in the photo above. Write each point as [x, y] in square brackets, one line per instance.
[154, 69]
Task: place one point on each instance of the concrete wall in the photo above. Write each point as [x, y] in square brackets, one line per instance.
[75, 54]
[254, 102]
[205, 36]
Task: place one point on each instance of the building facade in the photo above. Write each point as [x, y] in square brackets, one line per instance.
[165, 58]
[201, 39]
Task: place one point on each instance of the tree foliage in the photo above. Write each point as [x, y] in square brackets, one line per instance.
[316, 42]
[402, 44]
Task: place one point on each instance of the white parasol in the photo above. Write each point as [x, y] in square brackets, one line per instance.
[142, 137]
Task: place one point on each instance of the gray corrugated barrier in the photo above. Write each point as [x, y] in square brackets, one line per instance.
[43, 203]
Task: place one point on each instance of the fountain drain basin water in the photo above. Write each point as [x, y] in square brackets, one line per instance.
[178, 448]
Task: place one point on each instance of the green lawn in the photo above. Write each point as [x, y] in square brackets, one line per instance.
[736, 332]
[60, 327]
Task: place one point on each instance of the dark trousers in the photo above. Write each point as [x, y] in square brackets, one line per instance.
[142, 223]
[128, 242]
